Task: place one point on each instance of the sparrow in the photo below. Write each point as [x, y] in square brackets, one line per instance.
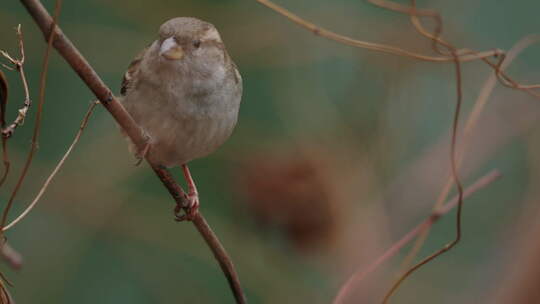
[184, 91]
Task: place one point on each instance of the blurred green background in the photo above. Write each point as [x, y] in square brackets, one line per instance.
[338, 152]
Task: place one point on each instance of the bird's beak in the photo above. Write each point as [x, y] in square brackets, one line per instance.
[171, 50]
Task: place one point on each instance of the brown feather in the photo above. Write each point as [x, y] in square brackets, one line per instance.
[132, 70]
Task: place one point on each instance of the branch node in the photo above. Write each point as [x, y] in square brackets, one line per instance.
[109, 98]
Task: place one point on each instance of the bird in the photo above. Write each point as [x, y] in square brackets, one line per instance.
[184, 92]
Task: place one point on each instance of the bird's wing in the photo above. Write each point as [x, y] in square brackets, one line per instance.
[133, 69]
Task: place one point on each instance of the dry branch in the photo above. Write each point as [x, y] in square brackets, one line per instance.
[37, 125]
[79, 64]
[451, 54]
[3, 106]
[470, 124]
[463, 54]
[18, 64]
[7, 131]
[454, 166]
[347, 288]
[319, 31]
[56, 169]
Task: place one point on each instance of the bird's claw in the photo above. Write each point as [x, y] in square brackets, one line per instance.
[191, 209]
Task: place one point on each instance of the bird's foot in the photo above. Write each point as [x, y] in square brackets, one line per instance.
[192, 198]
[191, 209]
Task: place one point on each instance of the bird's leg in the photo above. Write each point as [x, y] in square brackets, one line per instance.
[192, 197]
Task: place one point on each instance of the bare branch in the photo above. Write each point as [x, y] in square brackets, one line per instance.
[3, 106]
[79, 64]
[370, 45]
[451, 54]
[358, 276]
[470, 124]
[18, 64]
[462, 54]
[56, 169]
[454, 166]
[37, 126]
[5, 296]
[414, 13]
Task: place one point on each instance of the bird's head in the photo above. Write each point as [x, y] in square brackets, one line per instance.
[186, 40]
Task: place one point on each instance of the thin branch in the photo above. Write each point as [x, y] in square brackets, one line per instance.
[347, 288]
[370, 45]
[56, 169]
[3, 98]
[18, 64]
[457, 182]
[463, 54]
[453, 164]
[414, 13]
[5, 296]
[7, 132]
[470, 124]
[437, 41]
[3, 106]
[79, 64]
[37, 126]
[452, 54]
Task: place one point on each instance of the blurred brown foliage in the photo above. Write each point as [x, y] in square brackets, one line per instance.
[291, 192]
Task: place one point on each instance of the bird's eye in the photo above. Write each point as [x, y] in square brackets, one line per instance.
[197, 43]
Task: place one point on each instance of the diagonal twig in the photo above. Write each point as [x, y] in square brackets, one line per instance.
[358, 276]
[56, 169]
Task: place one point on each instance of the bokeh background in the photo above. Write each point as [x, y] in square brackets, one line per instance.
[338, 153]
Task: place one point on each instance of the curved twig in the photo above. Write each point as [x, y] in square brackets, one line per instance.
[464, 55]
[481, 101]
[370, 45]
[455, 179]
[437, 40]
[79, 64]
